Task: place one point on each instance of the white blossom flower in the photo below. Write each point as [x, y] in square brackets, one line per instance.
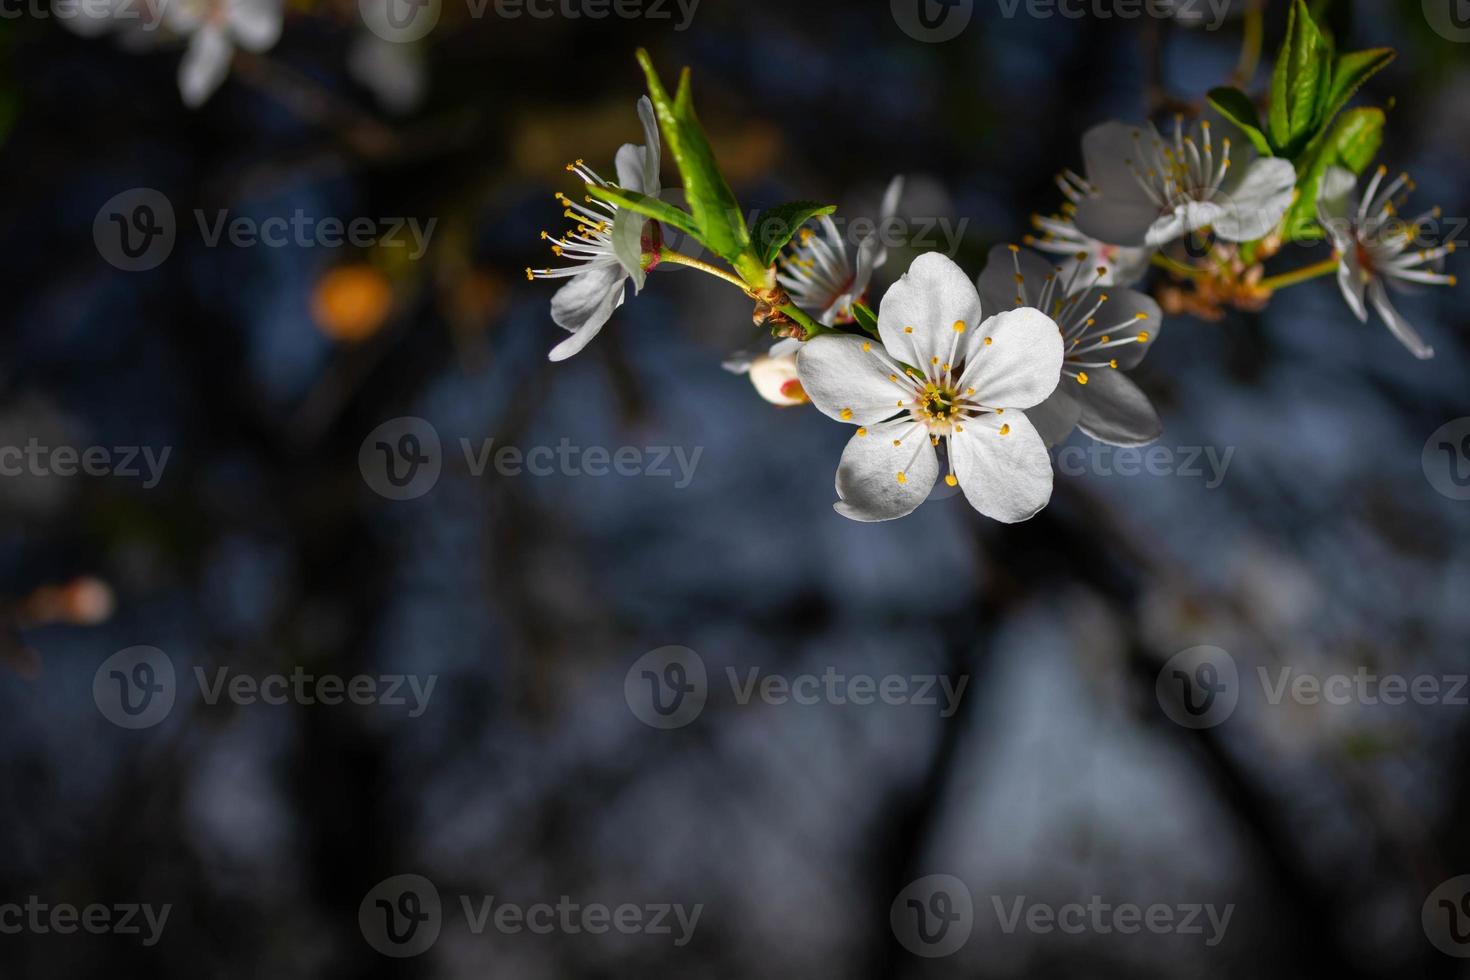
[1146, 191]
[1122, 265]
[214, 28]
[822, 277]
[941, 372]
[605, 246]
[773, 373]
[1105, 331]
[1372, 244]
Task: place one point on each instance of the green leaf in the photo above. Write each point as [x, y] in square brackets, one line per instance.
[1299, 84]
[775, 227]
[717, 214]
[649, 207]
[863, 314]
[1237, 107]
[1352, 143]
[1349, 73]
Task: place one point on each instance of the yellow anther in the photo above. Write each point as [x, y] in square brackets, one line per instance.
[846, 414]
[1082, 377]
[951, 481]
[1143, 336]
[908, 329]
[1005, 430]
[988, 341]
[902, 478]
[1014, 248]
[959, 326]
[1105, 338]
[1113, 363]
[862, 431]
[530, 276]
[867, 347]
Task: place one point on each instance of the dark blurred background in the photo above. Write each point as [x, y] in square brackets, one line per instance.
[265, 547]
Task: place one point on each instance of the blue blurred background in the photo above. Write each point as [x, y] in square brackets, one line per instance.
[265, 546]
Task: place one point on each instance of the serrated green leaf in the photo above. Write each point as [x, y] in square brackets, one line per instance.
[774, 227]
[649, 207]
[1237, 107]
[1349, 73]
[865, 317]
[1299, 84]
[1353, 142]
[718, 218]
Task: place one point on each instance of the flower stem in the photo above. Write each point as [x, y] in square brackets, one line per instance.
[679, 258]
[1323, 268]
[812, 327]
[1250, 45]
[1175, 266]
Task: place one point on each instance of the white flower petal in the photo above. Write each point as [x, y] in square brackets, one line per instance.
[584, 304]
[627, 244]
[1337, 205]
[1186, 217]
[1020, 366]
[868, 475]
[205, 65]
[1122, 222]
[1056, 417]
[1109, 152]
[256, 24]
[1255, 203]
[1400, 327]
[1007, 477]
[999, 290]
[1350, 282]
[653, 158]
[1115, 410]
[846, 382]
[917, 316]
